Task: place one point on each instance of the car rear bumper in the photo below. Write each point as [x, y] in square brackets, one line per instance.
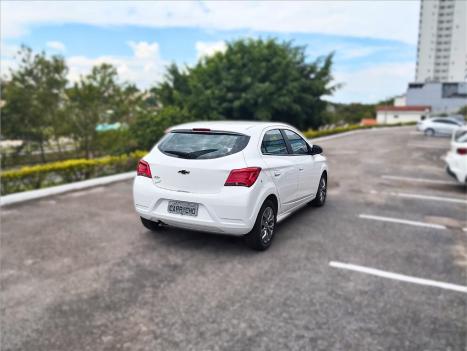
[454, 167]
[461, 177]
[232, 211]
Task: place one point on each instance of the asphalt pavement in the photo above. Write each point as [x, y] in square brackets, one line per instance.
[382, 266]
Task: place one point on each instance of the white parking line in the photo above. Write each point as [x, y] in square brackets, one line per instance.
[402, 221]
[418, 180]
[397, 276]
[422, 197]
[429, 146]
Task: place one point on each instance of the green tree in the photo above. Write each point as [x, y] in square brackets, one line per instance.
[351, 113]
[253, 80]
[33, 96]
[150, 125]
[128, 101]
[92, 100]
[175, 89]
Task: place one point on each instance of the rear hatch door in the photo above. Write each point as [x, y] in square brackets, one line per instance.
[196, 162]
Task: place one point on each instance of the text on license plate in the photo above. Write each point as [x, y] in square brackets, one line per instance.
[183, 208]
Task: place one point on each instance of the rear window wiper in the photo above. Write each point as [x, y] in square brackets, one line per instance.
[190, 155]
[176, 153]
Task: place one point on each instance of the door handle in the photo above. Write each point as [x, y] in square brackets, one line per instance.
[300, 169]
[277, 174]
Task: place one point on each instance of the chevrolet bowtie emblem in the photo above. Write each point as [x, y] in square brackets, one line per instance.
[183, 171]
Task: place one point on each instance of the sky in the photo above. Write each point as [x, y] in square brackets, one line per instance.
[374, 42]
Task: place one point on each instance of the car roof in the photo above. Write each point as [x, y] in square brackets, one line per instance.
[245, 127]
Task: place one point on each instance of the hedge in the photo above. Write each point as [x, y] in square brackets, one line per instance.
[61, 172]
[324, 132]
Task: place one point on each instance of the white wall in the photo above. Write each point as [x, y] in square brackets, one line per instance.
[394, 117]
[431, 94]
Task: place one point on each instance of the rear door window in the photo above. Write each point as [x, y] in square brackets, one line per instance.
[297, 144]
[205, 145]
[445, 121]
[273, 143]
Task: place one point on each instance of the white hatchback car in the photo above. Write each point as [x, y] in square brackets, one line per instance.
[456, 159]
[235, 178]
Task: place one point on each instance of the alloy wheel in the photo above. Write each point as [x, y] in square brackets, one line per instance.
[267, 225]
[322, 190]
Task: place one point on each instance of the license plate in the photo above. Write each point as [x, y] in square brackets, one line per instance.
[183, 208]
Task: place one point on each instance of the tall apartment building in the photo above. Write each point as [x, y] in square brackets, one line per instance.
[442, 41]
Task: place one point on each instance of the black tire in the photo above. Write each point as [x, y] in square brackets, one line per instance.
[430, 132]
[260, 237]
[320, 198]
[153, 226]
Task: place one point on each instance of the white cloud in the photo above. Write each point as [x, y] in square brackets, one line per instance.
[5, 66]
[7, 58]
[9, 50]
[56, 45]
[144, 50]
[348, 53]
[206, 49]
[396, 20]
[371, 84]
[144, 67]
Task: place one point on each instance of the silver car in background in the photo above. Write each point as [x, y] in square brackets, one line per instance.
[439, 126]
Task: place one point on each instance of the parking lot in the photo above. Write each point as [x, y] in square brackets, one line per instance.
[382, 266]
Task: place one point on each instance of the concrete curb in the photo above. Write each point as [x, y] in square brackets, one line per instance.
[60, 189]
[334, 136]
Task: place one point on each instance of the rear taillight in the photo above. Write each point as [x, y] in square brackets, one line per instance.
[462, 151]
[143, 169]
[243, 176]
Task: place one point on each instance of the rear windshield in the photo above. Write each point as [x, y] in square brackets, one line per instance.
[196, 145]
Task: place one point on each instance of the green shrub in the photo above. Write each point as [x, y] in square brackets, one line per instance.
[55, 173]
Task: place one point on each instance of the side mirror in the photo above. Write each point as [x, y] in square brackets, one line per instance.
[316, 150]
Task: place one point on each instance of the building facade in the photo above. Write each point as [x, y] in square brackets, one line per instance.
[401, 114]
[442, 41]
[444, 98]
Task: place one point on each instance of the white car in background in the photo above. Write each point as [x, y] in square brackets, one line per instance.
[236, 178]
[456, 159]
[439, 126]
